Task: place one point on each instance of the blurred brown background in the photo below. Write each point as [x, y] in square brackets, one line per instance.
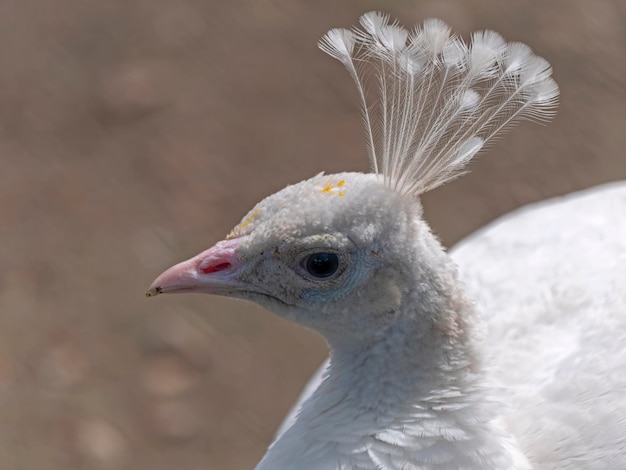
[136, 133]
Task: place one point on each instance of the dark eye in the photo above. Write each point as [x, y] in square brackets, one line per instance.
[321, 265]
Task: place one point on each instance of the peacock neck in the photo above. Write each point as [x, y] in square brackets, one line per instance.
[411, 394]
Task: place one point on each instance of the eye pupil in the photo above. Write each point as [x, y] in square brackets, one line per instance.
[322, 264]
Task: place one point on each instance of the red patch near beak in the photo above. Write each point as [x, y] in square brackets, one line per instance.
[215, 268]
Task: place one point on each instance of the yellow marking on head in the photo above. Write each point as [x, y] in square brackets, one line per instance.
[234, 233]
[329, 188]
[249, 219]
[342, 194]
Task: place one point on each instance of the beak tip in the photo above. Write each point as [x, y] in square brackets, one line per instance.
[154, 291]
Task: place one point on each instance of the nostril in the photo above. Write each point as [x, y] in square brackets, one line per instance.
[213, 268]
[221, 257]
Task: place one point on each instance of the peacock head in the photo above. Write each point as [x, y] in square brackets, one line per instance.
[322, 253]
[340, 253]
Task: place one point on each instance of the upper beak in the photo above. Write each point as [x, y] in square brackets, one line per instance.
[214, 271]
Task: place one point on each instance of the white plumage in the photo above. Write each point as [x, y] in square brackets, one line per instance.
[549, 279]
[418, 376]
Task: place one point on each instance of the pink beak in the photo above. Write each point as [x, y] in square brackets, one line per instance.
[213, 271]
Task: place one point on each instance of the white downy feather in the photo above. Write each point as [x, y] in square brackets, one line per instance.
[549, 279]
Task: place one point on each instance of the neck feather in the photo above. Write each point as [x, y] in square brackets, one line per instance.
[412, 394]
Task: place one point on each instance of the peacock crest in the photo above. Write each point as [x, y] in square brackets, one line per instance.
[438, 101]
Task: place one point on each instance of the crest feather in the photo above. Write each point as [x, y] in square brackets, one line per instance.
[438, 100]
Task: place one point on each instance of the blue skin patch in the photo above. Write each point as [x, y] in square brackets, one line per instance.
[362, 263]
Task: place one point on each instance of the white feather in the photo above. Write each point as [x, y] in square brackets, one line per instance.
[438, 100]
[554, 312]
[413, 383]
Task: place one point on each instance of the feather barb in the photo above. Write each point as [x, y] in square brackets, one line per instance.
[438, 101]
